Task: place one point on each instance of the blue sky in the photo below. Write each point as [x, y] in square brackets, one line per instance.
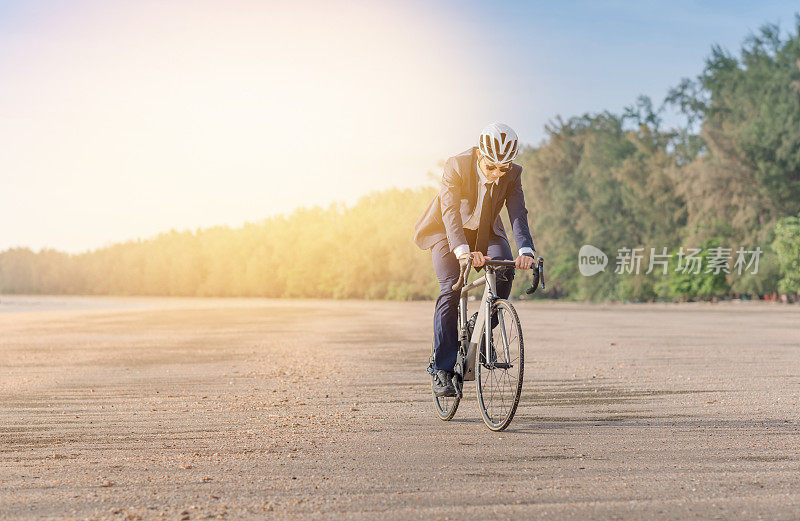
[573, 57]
[122, 119]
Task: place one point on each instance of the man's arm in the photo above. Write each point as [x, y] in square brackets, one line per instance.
[450, 201]
[518, 215]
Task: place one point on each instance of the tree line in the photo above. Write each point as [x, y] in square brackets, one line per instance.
[726, 178]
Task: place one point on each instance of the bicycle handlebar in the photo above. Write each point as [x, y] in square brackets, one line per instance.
[538, 272]
[463, 270]
[538, 277]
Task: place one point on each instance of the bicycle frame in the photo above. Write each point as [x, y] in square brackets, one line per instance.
[489, 281]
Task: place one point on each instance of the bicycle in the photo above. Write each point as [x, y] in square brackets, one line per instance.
[498, 371]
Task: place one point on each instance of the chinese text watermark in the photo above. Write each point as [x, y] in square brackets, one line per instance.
[631, 261]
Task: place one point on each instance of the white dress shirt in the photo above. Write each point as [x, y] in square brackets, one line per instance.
[461, 249]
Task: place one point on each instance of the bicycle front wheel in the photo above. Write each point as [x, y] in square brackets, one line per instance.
[500, 370]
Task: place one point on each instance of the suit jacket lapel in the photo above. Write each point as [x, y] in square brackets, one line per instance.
[474, 182]
[498, 189]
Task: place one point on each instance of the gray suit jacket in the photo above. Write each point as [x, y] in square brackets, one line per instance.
[457, 200]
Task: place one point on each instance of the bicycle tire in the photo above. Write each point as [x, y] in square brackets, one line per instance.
[446, 406]
[516, 366]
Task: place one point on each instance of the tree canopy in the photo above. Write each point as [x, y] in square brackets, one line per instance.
[727, 177]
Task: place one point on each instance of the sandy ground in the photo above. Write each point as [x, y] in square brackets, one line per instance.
[242, 409]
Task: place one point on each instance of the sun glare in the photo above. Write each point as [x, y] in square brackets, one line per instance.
[141, 117]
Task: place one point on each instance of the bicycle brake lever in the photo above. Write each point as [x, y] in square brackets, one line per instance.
[541, 271]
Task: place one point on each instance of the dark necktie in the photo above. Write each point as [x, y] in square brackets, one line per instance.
[485, 224]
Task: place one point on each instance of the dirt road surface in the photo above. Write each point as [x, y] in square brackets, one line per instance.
[258, 409]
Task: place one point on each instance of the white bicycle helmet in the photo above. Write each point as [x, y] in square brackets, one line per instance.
[499, 143]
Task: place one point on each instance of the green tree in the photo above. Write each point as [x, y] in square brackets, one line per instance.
[707, 283]
[787, 247]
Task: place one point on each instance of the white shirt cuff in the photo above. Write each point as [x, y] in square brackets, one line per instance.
[461, 250]
[523, 251]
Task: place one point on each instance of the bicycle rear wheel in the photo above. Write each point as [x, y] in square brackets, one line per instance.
[499, 377]
[445, 406]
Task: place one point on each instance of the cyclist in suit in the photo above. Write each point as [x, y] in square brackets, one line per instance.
[465, 218]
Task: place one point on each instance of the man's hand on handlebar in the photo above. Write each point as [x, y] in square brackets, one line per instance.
[478, 258]
[524, 262]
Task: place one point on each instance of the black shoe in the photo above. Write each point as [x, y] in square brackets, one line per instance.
[443, 385]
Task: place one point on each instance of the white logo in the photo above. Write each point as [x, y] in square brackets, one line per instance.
[591, 260]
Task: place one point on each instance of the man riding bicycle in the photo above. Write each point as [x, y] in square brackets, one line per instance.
[464, 219]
